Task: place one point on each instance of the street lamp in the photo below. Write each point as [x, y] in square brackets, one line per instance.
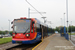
[44, 19]
[9, 25]
[50, 23]
[2, 29]
[67, 13]
[64, 19]
[28, 12]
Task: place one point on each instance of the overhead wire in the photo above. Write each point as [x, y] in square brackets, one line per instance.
[34, 8]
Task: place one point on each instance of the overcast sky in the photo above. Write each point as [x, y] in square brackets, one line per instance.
[55, 9]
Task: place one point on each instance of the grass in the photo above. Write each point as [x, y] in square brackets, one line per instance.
[5, 40]
[72, 33]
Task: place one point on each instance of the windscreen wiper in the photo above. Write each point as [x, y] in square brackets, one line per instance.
[25, 31]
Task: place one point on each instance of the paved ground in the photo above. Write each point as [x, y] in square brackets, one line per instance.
[72, 39]
[55, 42]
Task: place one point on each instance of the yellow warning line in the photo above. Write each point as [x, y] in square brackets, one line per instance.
[37, 45]
[41, 42]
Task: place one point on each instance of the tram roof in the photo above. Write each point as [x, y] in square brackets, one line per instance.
[41, 22]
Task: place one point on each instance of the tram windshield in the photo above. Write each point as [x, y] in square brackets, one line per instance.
[21, 26]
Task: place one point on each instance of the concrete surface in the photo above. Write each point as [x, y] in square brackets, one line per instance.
[55, 42]
[72, 40]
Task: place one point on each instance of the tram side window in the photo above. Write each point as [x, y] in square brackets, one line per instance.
[38, 27]
[38, 30]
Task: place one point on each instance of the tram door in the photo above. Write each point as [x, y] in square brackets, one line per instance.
[41, 30]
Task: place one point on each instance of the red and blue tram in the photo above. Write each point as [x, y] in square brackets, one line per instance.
[28, 30]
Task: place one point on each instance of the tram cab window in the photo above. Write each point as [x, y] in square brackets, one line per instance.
[31, 30]
[34, 27]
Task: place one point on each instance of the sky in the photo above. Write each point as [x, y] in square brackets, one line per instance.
[55, 9]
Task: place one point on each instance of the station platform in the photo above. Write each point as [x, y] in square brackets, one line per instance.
[54, 42]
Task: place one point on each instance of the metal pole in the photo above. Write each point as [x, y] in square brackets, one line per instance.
[71, 26]
[71, 30]
[64, 19]
[9, 26]
[70, 33]
[44, 19]
[28, 12]
[42, 32]
[50, 23]
[2, 29]
[67, 13]
[34, 8]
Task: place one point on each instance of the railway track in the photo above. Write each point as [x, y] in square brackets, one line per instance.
[7, 45]
[23, 47]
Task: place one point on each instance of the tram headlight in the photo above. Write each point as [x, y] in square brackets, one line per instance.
[27, 34]
[13, 34]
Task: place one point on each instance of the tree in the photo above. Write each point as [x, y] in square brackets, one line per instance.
[10, 32]
[6, 32]
[50, 30]
[57, 29]
[71, 28]
[0, 32]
